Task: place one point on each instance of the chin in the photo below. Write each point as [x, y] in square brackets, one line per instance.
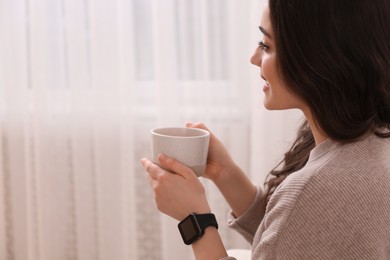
[268, 105]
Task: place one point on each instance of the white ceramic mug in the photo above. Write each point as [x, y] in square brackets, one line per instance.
[187, 145]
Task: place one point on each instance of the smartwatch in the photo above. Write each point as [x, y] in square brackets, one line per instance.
[192, 227]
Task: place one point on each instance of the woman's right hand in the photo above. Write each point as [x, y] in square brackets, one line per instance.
[219, 161]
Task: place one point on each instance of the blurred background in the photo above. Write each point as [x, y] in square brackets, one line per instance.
[82, 82]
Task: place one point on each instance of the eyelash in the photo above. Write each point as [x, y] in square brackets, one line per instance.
[263, 46]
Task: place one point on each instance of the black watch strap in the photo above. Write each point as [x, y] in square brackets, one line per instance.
[206, 220]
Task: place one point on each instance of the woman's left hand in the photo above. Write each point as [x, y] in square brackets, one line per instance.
[177, 190]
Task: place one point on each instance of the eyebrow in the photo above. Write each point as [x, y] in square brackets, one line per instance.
[264, 31]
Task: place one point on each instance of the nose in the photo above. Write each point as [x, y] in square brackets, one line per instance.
[256, 58]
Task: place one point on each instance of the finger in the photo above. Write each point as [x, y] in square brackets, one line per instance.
[197, 125]
[153, 170]
[152, 181]
[175, 166]
[204, 127]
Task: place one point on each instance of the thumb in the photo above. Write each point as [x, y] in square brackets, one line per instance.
[176, 167]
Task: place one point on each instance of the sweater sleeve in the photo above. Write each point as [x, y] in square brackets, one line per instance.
[248, 223]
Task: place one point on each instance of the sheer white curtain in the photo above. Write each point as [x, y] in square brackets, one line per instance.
[81, 84]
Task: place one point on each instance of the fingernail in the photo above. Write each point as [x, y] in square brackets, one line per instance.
[189, 124]
[143, 161]
[161, 157]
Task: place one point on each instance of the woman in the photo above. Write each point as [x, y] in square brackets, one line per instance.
[330, 196]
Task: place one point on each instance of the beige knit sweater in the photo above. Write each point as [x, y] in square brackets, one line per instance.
[336, 207]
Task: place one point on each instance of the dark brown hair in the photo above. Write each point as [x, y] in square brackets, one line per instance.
[335, 55]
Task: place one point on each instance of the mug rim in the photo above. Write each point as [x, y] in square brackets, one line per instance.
[202, 132]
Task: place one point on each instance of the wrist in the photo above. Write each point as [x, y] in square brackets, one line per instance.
[237, 189]
[210, 246]
[227, 174]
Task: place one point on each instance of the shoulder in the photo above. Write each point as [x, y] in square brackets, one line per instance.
[352, 176]
[340, 196]
[354, 167]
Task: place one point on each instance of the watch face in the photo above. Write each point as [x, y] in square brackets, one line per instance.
[189, 229]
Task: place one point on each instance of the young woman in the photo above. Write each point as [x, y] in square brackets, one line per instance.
[330, 196]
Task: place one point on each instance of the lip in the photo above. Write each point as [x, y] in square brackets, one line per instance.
[266, 86]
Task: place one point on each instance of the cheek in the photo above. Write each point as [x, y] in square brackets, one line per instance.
[268, 64]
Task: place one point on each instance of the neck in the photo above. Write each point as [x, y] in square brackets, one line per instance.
[318, 135]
